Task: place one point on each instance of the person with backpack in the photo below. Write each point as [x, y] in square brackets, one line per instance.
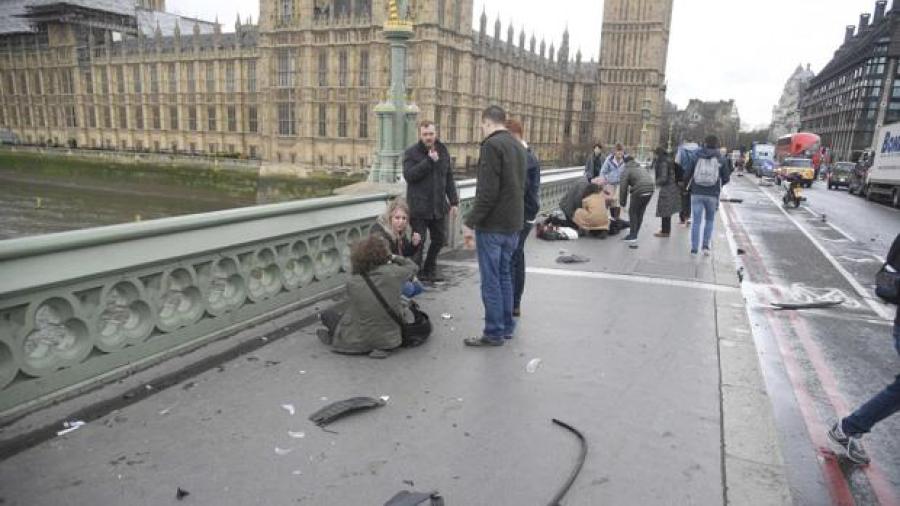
[705, 182]
[848, 431]
[685, 158]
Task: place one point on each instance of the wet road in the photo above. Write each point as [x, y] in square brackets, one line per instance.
[821, 364]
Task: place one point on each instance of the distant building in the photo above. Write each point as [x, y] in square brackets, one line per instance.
[857, 92]
[786, 115]
[700, 119]
[302, 85]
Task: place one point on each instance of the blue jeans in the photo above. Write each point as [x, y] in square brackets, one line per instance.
[876, 409]
[412, 288]
[495, 253]
[518, 265]
[703, 207]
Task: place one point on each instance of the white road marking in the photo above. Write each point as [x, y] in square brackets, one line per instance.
[634, 278]
[832, 225]
[879, 309]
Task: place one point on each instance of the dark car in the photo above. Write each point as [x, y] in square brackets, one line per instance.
[839, 174]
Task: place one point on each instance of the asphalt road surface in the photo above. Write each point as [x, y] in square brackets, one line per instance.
[820, 364]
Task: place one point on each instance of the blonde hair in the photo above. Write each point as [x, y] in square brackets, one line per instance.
[398, 204]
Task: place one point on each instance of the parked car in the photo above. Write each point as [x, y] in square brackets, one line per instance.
[839, 174]
[798, 167]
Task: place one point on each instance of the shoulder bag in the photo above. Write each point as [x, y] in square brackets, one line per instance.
[413, 334]
[887, 284]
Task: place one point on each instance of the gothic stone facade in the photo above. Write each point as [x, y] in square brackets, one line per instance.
[301, 86]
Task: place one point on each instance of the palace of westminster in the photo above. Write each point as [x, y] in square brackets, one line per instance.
[301, 85]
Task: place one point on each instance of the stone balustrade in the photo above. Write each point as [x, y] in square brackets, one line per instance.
[89, 306]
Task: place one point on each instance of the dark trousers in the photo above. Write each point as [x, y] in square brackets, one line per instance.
[636, 211]
[685, 213]
[436, 231]
[876, 409]
[666, 224]
[518, 265]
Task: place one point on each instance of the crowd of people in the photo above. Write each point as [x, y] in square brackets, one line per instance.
[389, 266]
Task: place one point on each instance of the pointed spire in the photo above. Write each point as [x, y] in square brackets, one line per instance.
[497, 29]
[532, 43]
[217, 29]
[552, 51]
[177, 31]
[483, 20]
[522, 39]
[578, 56]
[237, 23]
[510, 34]
[543, 48]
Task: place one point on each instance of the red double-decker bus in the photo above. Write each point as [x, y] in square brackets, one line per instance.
[799, 145]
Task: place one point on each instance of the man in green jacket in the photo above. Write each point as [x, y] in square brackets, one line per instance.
[495, 221]
[638, 183]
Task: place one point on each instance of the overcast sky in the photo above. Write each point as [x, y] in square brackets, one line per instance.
[719, 49]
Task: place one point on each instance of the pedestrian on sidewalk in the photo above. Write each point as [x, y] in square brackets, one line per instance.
[366, 327]
[495, 221]
[594, 163]
[848, 432]
[532, 206]
[393, 227]
[669, 200]
[685, 158]
[705, 182]
[431, 195]
[612, 175]
[637, 182]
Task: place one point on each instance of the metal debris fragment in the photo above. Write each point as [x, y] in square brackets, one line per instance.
[70, 426]
[340, 409]
[289, 408]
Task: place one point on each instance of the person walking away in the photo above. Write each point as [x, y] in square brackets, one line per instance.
[685, 158]
[637, 182]
[705, 182]
[532, 206]
[593, 215]
[393, 227]
[669, 200]
[594, 163]
[366, 327]
[431, 195]
[848, 432]
[611, 174]
[495, 221]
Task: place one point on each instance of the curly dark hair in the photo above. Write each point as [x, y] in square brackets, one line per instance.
[368, 254]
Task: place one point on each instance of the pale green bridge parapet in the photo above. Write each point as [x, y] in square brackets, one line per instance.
[84, 307]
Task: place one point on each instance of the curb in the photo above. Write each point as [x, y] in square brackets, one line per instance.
[752, 464]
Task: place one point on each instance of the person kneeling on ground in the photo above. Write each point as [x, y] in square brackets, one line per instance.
[593, 215]
[393, 227]
[366, 327]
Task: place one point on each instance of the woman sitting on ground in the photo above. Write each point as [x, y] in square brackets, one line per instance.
[366, 327]
[393, 227]
[593, 215]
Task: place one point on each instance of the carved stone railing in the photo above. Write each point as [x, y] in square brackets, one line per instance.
[88, 306]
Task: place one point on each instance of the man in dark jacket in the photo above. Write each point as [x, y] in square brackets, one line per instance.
[431, 194]
[638, 183]
[594, 163]
[495, 221]
[532, 206]
[705, 187]
[848, 432]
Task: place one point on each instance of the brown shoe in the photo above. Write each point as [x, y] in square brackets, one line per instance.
[661, 234]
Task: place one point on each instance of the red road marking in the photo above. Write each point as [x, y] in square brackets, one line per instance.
[835, 478]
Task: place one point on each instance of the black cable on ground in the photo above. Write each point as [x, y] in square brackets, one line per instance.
[581, 458]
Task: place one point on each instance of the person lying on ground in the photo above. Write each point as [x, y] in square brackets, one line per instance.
[366, 327]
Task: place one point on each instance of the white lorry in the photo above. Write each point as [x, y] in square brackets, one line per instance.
[883, 178]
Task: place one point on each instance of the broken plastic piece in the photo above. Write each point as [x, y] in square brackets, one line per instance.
[808, 305]
[181, 493]
[533, 365]
[385, 398]
[447, 316]
[70, 426]
[407, 498]
[296, 435]
[572, 259]
[283, 451]
[343, 408]
[290, 408]
[581, 457]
